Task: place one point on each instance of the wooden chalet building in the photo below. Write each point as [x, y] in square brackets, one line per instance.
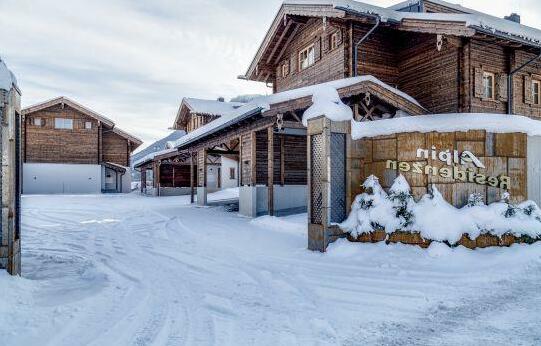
[10, 133]
[415, 58]
[167, 172]
[68, 148]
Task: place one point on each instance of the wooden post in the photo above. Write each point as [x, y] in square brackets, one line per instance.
[282, 160]
[239, 164]
[192, 174]
[158, 177]
[270, 133]
[253, 170]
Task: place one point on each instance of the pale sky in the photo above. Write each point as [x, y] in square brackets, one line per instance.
[134, 60]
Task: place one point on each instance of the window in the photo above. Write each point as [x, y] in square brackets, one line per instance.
[536, 92]
[88, 125]
[334, 40]
[63, 123]
[37, 122]
[285, 69]
[307, 57]
[488, 85]
[231, 173]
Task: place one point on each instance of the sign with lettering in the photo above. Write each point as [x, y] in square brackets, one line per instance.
[461, 167]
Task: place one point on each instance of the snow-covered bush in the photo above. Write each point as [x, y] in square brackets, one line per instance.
[434, 218]
[402, 200]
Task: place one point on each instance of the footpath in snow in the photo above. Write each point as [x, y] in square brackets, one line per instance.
[132, 270]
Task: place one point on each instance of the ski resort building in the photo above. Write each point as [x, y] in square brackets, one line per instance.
[68, 148]
[167, 172]
[384, 68]
[10, 134]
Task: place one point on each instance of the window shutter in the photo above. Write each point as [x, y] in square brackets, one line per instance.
[293, 63]
[501, 86]
[326, 43]
[528, 99]
[279, 71]
[317, 49]
[340, 38]
[479, 90]
[43, 123]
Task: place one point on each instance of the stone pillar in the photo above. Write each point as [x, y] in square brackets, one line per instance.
[202, 177]
[328, 143]
[10, 139]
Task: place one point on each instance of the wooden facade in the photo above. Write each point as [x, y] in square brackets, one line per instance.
[438, 63]
[87, 139]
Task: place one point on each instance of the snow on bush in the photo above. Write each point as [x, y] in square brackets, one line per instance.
[326, 102]
[434, 218]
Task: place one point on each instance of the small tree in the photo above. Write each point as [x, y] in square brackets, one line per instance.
[475, 200]
[402, 200]
[511, 209]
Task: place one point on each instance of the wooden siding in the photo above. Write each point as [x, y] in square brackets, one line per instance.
[46, 144]
[377, 55]
[246, 159]
[429, 75]
[432, 7]
[49, 145]
[172, 175]
[330, 66]
[115, 149]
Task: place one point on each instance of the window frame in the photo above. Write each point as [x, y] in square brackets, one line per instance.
[492, 96]
[63, 126]
[37, 122]
[285, 69]
[536, 100]
[307, 50]
[232, 173]
[87, 127]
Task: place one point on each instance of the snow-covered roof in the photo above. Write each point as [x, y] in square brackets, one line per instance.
[151, 156]
[495, 123]
[210, 107]
[204, 107]
[84, 110]
[472, 19]
[456, 7]
[264, 103]
[7, 78]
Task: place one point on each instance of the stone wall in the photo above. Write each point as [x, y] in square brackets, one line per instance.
[502, 155]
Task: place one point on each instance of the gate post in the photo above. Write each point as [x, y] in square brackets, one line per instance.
[328, 143]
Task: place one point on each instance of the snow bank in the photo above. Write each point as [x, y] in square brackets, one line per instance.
[434, 218]
[326, 102]
[495, 123]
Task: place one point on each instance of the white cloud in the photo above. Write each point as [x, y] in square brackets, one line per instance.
[134, 60]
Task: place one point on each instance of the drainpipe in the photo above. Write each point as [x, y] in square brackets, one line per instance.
[510, 91]
[360, 42]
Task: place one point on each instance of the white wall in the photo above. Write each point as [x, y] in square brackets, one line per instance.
[52, 178]
[212, 176]
[534, 169]
[126, 181]
[253, 201]
[227, 164]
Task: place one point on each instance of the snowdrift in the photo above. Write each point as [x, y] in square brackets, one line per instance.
[396, 217]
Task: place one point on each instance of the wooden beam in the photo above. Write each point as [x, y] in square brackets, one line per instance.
[282, 160]
[253, 161]
[192, 173]
[222, 152]
[291, 37]
[270, 166]
[277, 44]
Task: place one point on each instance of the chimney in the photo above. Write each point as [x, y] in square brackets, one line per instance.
[513, 17]
[221, 99]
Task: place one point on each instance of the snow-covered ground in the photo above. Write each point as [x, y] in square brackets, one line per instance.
[131, 270]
